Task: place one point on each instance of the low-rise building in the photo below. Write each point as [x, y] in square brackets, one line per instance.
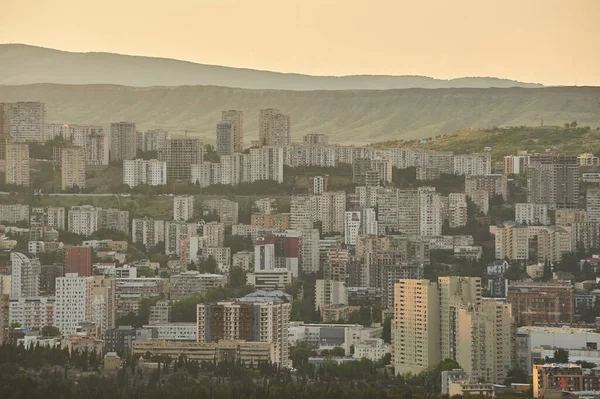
[373, 349]
[193, 282]
[275, 279]
[175, 331]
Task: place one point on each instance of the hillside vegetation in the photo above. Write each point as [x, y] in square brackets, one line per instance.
[504, 141]
[360, 116]
[22, 64]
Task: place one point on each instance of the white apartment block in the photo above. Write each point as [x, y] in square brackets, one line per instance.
[206, 174]
[457, 209]
[320, 184]
[76, 134]
[17, 164]
[14, 213]
[189, 283]
[368, 221]
[175, 233]
[50, 216]
[243, 260]
[222, 255]
[139, 171]
[493, 184]
[373, 349]
[226, 211]
[416, 326]
[276, 279]
[97, 149]
[553, 243]
[329, 292]
[481, 199]
[72, 168]
[264, 256]
[236, 119]
[266, 163]
[73, 302]
[148, 232]
[472, 164]
[83, 219]
[328, 208]
[183, 208]
[27, 121]
[214, 233]
[175, 331]
[430, 212]
[512, 242]
[310, 155]
[152, 139]
[532, 214]
[274, 128]
[25, 276]
[383, 166]
[310, 250]
[31, 312]
[33, 247]
[352, 225]
[592, 202]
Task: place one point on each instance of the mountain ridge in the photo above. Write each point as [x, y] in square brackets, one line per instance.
[25, 64]
[359, 116]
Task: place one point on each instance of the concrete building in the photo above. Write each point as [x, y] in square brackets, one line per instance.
[72, 168]
[556, 376]
[140, 171]
[236, 119]
[274, 128]
[152, 139]
[113, 219]
[271, 221]
[493, 184]
[189, 283]
[352, 225]
[328, 209]
[430, 212]
[279, 251]
[266, 163]
[175, 233]
[320, 184]
[160, 312]
[122, 141]
[224, 138]
[17, 164]
[50, 216]
[275, 279]
[532, 214]
[225, 210]
[26, 121]
[183, 208]
[97, 148]
[472, 164]
[78, 260]
[512, 242]
[310, 250]
[179, 154]
[34, 312]
[214, 233]
[373, 349]
[73, 302]
[553, 180]
[553, 243]
[330, 292]
[416, 326]
[457, 210]
[261, 317]
[83, 219]
[14, 213]
[592, 202]
[541, 302]
[148, 232]
[175, 331]
[25, 276]
[103, 303]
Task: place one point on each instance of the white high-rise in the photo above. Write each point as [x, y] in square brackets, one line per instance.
[592, 202]
[352, 223]
[140, 171]
[83, 219]
[17, 164]
[25, 276]
[148, 232]
[183, 208]
[73, 304]
[457, 209]
[430, 212]
[72, 167]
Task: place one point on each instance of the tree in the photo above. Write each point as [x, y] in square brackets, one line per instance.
[386, 334]
[208, 265]
[50, 331]
[238, 243]
[561, 356]
[516, 375]
[574, 124]
[185, 309]
[237, 277]
[338, 351]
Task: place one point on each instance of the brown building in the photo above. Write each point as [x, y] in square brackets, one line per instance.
[272, 221]
[48, 276]
[540, 303]
[180, 154]
[553, 180]
[78, 260]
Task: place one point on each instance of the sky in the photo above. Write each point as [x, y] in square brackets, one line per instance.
[554, 42]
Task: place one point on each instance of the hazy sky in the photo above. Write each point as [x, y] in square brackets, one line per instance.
[546, 41]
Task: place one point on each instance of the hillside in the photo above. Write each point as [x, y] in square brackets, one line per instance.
[22, 64]
[347, 116]
[505, 141]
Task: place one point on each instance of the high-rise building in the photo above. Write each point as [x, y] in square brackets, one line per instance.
[310, 251]
[25, 276]
[103, 303]
[472, 164]
[113, 219]
[214, 233]
[352, 225]
[72, 168]
[26, 121]
[493, 184]
[416, 326]
[122, 141]
[225, 210]
[279, 251]
[330, 292]
[97, 149]
[17, 164]
[274, 128]
[78, 260]
[14, 213]
[531, 214]
[180, 154]
[236, 118]
[320, 184]
[4, 131]
[553, 243]
[83, 219]
[224, 138]
[430, 212]
[457, 210]
[175, 233]
[148, 232]
[140, 171]
[512, 242]
[258, 317]
[183, 208]
[315, 139]
[592, 202]
[557, 376]
[328, 209]
[50, 216]
[266, 163]
[553, 180]
[152, 139]
[73, 305]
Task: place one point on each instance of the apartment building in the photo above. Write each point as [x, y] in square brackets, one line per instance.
[275, 279]
[274, 128]
[430, 212]
[493, 184]
[179, 154]
[49, 216]
[78, 260]
[72, 168]
[271, 221]
[553, 243]
[472, 164]
[214, 233]
[532, 214]
[73, 302]
[457, 210]
[97, 148]
[320, 184]
[17, 164]
[224, 138]
[25, 276]
[103, 303]
[113, 219]
[330, 292]
[189, 283]
[225, 210]
[175, 233]
[512, 242]
[140, 171]
[553, 180]
[14, 213]
[266, 163]
[557, 376]
[183, 208]
[31, 312]
[148, 232]
[541, 302]
[122, 141]
[592, 204]
[152, 139]
[26, 121]
[258, 317]
[236, 119]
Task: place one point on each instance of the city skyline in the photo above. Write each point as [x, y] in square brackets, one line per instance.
[323, 39]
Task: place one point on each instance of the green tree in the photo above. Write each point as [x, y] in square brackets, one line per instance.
[208, 265]
[561, 356]
[50, 331]
[386, 334]
[237, 277]
[338, 351]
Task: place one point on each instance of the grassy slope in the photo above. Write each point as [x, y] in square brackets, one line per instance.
[510, 140]
[347, 116]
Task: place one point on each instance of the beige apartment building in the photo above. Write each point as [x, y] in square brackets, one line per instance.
[512, 242]
[72, 168]
[17, 164]
[122, 141]
[236, 119]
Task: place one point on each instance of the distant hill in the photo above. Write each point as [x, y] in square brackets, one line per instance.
[23, 64]
[359, 116]
[509, 140]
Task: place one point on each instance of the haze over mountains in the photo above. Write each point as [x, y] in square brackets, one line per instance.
[359, 115]
[23, 64]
